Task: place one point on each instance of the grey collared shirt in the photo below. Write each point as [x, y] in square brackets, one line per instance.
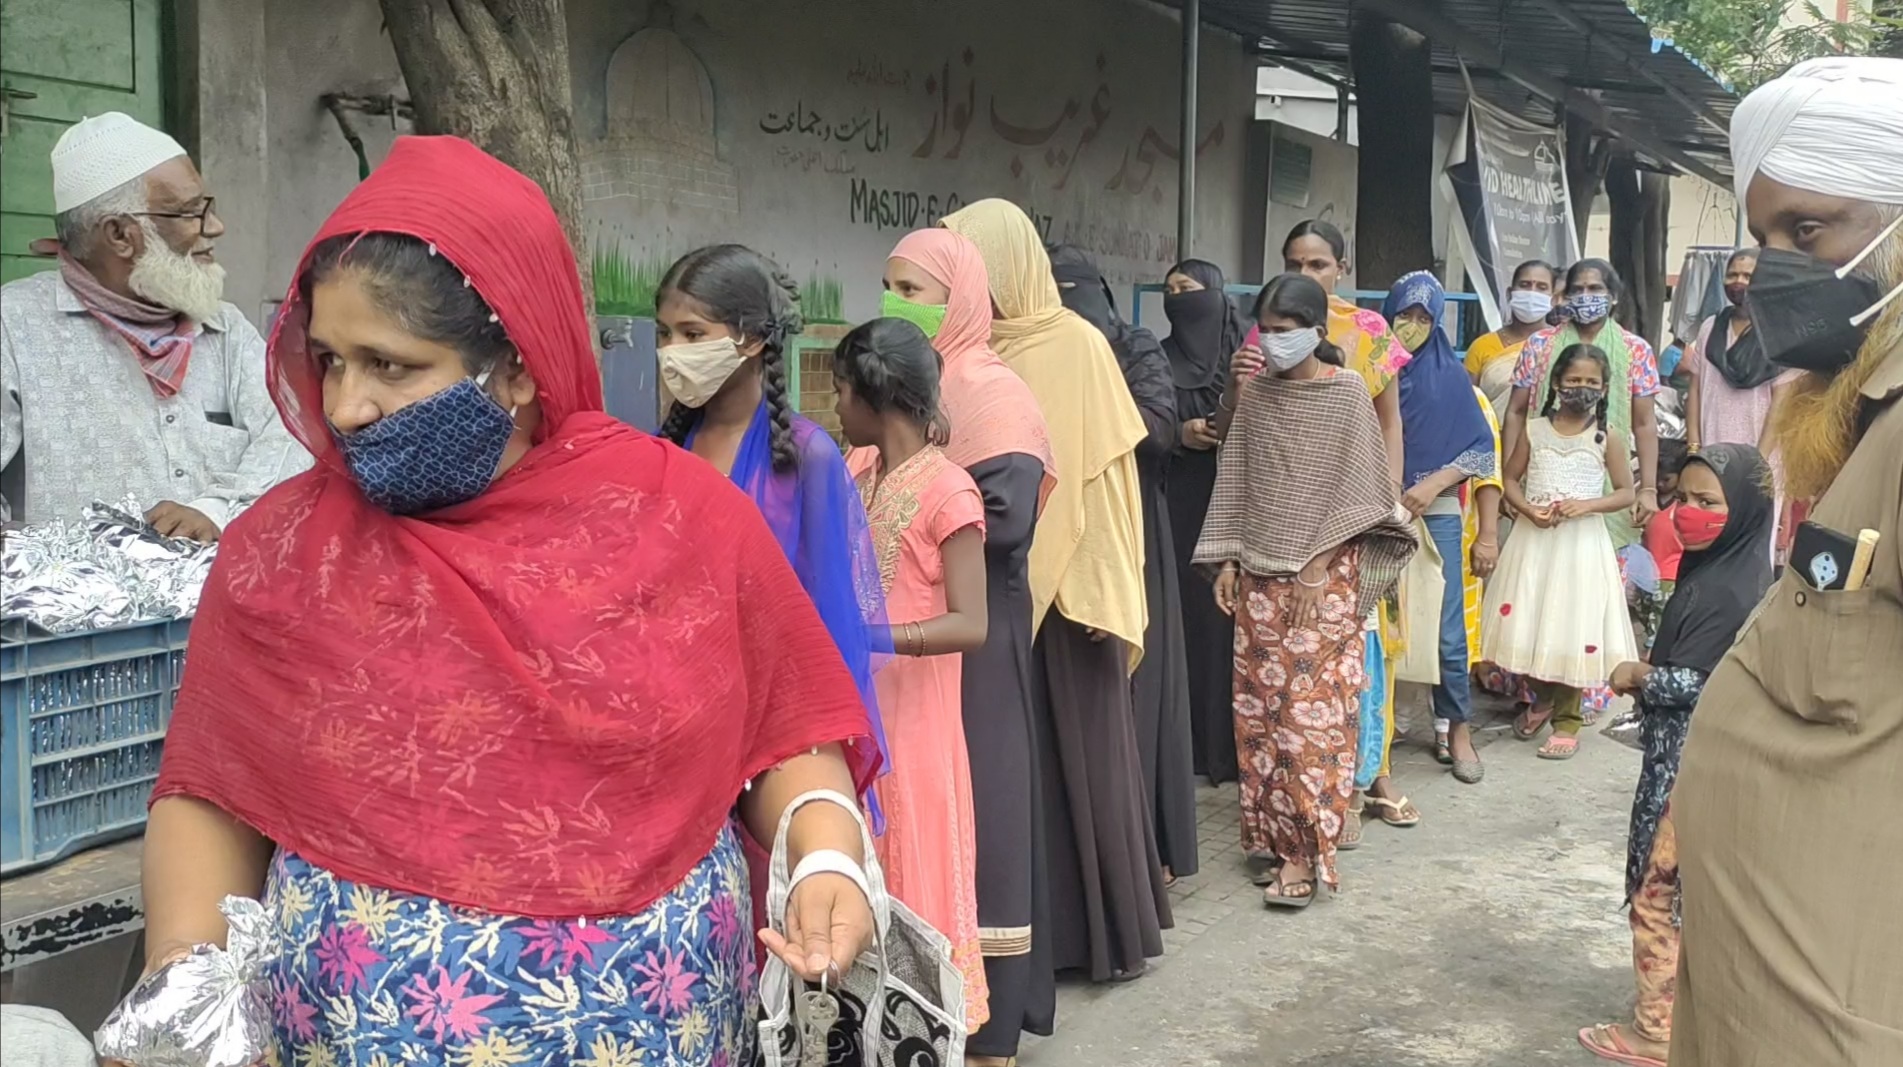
[78, 411]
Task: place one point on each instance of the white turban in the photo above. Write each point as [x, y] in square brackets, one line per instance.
[99, 154]
[1831, 126]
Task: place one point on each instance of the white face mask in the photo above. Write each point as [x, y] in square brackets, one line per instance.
[1529, 305]
[1285, 351]
[693, 373]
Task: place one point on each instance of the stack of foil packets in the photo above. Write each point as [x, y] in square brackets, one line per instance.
[111, 569]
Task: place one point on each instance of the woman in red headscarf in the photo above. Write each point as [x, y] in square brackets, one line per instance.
[478, 704]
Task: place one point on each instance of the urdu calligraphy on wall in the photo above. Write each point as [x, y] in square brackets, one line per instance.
[866, 129]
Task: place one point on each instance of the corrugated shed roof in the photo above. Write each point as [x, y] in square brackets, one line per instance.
[1644, 82]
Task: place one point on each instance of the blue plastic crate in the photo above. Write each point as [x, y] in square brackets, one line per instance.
[82, 723]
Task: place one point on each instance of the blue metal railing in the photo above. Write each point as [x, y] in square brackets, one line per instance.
[1462, 319]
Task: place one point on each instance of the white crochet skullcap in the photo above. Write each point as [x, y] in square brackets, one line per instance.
[1832, 126]
[101, 153]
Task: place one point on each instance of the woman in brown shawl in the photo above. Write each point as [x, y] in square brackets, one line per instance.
[1304, 536]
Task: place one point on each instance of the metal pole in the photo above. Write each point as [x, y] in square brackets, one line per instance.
[1186, 173]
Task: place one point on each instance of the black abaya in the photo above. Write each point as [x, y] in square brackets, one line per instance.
[1208, 634]
[1013, 906]
[1108, 903]
[1206, 329]
[1160, 687]
[1161, 683]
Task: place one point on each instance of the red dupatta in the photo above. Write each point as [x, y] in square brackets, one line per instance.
[541, 702]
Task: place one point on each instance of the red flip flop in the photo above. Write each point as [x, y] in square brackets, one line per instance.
[1615, 1048]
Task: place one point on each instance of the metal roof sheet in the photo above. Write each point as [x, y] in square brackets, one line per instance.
[1599, 62]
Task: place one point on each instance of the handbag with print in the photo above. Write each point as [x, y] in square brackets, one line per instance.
[901, 1005]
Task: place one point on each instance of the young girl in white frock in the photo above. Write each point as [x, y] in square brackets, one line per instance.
[1555, 608]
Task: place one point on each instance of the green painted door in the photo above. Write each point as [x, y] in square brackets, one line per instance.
[60, 61]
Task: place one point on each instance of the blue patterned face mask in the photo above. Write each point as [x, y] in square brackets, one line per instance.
[1589, 308]
[435, 453]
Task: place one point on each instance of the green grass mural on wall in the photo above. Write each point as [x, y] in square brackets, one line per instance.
[625, 285]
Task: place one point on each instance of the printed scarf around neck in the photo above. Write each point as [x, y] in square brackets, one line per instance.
[160, 337]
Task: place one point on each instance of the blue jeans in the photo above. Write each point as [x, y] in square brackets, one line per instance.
[1453, 697]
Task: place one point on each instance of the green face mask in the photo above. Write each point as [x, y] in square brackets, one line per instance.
[927, 317]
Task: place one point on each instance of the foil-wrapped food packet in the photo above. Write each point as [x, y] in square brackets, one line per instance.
[208, 1008]
[1624, 728]
[110, 570]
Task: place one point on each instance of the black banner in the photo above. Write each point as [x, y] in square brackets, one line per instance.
[1509, 179]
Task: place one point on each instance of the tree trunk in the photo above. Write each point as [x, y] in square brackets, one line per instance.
[496, 72]
[1586, 160]
[1394, 201]
[1641, 205]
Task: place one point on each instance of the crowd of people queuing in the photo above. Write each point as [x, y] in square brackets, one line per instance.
[1060, 570]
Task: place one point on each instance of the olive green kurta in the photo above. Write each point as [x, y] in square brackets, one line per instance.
[1790, 806]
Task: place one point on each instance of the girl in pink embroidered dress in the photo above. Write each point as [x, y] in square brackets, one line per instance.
[927, 520]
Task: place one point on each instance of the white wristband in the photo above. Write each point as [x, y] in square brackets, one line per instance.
[829, 861]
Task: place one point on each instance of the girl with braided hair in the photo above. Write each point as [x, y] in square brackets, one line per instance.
[725, 318]
[1555, 609]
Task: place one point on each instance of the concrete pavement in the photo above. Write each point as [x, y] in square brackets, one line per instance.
[1484, 937]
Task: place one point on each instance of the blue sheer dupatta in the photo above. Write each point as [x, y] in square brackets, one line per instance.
[815, 512]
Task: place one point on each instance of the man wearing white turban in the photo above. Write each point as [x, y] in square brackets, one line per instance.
[123, 372]
[1790, 798]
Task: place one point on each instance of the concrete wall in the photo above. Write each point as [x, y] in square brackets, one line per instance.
[821, 134]
[818, 131]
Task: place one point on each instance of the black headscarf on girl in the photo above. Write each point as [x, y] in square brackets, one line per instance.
[1206, 327]
[1719, 586]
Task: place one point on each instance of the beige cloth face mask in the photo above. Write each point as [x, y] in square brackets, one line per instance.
[693, 373]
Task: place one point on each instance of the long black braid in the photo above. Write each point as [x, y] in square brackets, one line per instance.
[747, 292]
[1572, 354]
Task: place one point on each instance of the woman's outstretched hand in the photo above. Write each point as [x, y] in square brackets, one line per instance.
[828, 924]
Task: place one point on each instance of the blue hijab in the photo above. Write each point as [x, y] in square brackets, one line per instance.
[815, 513]
[1441, 422]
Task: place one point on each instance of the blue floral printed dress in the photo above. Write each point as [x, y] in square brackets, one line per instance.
[371, 978]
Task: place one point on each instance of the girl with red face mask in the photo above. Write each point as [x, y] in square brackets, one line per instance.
[1724, 519]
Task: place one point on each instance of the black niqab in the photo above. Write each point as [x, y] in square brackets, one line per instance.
[1206, 327]
[1720, 586]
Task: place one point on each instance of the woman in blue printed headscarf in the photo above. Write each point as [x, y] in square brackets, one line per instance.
[1450, 473]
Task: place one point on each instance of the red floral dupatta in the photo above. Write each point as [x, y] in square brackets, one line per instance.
[542, 702]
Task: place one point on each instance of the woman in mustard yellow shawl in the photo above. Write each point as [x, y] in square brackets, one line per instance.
[1107, 901]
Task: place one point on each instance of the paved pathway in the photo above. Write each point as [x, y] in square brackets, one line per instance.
[1485, 937]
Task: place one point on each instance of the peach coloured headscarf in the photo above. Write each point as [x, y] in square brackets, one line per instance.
[991, 411]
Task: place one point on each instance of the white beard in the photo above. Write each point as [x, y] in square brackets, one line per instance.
[175, 280]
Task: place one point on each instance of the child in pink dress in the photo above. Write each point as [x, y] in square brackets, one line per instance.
[927, 520]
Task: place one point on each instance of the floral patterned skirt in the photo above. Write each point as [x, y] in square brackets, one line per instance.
[372, 978]
[1297, 702]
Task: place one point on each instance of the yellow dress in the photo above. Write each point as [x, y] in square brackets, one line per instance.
[1371, 351]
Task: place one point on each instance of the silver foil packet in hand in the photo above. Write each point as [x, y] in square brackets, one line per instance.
[208, 1008]
[1624, 728]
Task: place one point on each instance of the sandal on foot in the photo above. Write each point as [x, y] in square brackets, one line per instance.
[1262, 869]
[1399, 813]
[1528, 724]
[1443, 754]
[1604, 1042]
[1469, 771]
[1560, 747]
[1350, 838]
[1276, 894]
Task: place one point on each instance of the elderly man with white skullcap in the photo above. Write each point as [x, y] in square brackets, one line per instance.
[123, 373]
[1789, 803]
